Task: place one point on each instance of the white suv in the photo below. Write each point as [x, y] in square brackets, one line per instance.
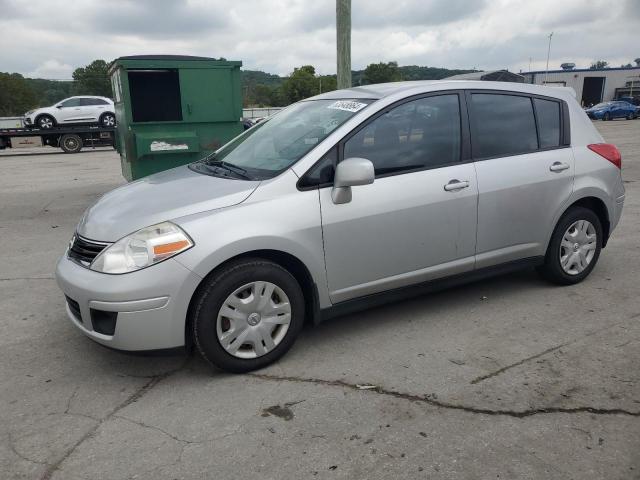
[73, 110]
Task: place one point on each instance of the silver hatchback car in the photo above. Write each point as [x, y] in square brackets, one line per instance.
[339, 202]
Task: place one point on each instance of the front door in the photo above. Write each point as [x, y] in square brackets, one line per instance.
[417, 221]
[69, 110]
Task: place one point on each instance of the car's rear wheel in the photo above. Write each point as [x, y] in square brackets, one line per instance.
[108, 120]
[71, 143]
[45, 122]
[574, 248]
[247, 315]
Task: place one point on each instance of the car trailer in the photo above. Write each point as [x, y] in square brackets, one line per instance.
[69, 139]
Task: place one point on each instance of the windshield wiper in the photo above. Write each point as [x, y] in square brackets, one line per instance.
[239, 171]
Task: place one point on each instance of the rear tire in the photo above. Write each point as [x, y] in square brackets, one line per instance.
[71, 143]
[574, 248]
[108, 120]
[253, 329]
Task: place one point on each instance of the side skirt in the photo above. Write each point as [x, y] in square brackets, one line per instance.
[375, 300]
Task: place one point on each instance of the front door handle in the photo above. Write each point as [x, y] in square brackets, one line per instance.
[558, 166]
[455, 185]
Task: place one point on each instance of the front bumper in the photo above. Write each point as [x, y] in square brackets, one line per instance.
[151, 304]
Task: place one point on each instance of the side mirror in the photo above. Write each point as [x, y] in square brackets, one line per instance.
[58, 106]
[350, 173]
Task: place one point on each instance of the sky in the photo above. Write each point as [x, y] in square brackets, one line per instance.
[50, 38]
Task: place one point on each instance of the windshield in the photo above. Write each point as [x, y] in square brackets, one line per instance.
[274, 145]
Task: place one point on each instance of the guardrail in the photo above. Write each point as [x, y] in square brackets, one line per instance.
[259, 112]
[11, 122]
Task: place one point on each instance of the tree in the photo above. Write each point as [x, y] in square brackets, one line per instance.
[599, 64]
[302, 83]
[382, 72]
[637, 60]
[92, 79]
[16, 96]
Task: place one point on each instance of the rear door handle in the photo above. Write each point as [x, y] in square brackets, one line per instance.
[558, 166]
[455, 185]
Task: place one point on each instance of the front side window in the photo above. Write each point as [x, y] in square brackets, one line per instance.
[72, 102]
[503, 125]
[420, 134]
[276, 144]
[548, 114]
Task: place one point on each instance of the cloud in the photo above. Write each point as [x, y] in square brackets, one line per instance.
[52, 69]
[278, 35]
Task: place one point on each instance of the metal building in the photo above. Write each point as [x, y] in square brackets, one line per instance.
[592, 85]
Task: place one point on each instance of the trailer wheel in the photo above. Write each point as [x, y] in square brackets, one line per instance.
[71, 143]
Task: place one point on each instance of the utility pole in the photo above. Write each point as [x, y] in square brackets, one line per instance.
[548, 53]
[343, 30]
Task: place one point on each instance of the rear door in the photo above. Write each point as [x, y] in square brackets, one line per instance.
[525, 170]
[417, 221]
[92, 108]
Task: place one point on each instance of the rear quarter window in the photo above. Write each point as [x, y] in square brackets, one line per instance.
[548, 114]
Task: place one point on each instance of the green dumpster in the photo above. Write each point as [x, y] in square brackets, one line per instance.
[173, 109]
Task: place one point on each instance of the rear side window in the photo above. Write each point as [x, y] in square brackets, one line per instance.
[548, 114]
[503, 125]
[92, 101]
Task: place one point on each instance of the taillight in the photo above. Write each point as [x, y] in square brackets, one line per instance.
[608, 151]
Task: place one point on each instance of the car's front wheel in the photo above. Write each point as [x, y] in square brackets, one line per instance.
[108, 120]
[45, 122]
[574, 248]
[247, 315]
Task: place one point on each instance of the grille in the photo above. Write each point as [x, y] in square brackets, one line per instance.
[75, 308]
[84, 251]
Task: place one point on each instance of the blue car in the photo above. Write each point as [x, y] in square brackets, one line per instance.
[611, 110]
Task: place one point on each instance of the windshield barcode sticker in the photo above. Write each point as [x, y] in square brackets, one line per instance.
[347, 105]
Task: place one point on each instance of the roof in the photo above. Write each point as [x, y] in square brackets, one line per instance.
[169, 61]
[573, 70]
[381, 90]
[181, 58]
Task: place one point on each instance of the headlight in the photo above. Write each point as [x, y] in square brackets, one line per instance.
[143, 248]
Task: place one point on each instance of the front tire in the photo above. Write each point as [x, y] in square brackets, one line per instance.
[45, 122]
[247, 315]
[574, 248]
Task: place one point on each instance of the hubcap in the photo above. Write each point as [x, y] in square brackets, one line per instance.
[578, 247]
[46, 123]
[109, 121]
[253, 320]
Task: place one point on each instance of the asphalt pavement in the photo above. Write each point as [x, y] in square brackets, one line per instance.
[506, 378]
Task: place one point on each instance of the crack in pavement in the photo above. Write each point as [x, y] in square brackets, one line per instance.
[541, 354]
[53, 467]
[446, 405]
[15, 451]
[516, 364]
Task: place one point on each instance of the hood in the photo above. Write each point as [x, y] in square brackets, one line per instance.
[157, 198]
